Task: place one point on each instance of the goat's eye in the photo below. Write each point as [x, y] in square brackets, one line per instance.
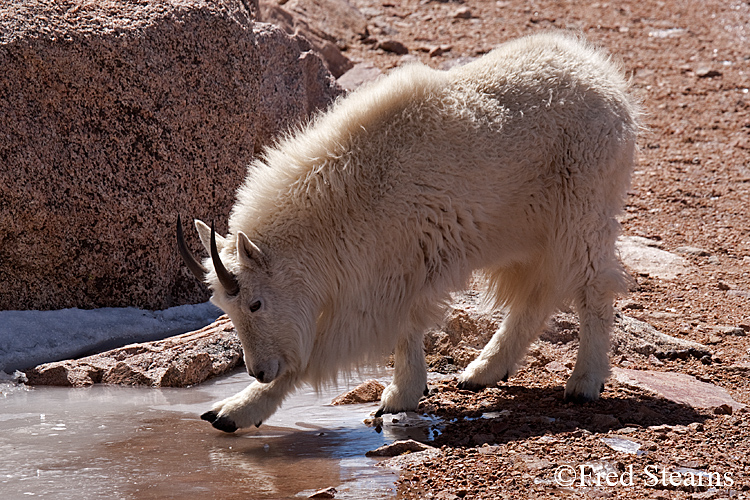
[255, 306]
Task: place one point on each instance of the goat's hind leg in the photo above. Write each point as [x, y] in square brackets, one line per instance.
[596, 313]
[500, 357]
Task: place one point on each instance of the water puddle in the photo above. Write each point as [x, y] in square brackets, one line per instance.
[140, 443]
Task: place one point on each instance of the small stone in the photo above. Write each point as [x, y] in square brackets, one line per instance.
[393, 46]
[736, 331]
[724, 409]
[723, 286]
[436, 51]
[706, 72]
[445, 495]
[694, 251]
[627, 430]
[631, 304]
[324, 493]
[367, 392]
[462, 13]
[398, 448]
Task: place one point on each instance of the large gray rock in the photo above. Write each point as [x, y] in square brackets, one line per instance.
[118, 115]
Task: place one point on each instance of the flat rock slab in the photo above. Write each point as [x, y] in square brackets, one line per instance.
[642, 255]
[677, 387]
[178, 361]
[630, 335]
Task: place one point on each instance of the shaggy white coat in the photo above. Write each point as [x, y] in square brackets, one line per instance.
[350, 233]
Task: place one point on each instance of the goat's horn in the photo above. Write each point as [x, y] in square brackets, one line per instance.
[190, 261]
[227, 280]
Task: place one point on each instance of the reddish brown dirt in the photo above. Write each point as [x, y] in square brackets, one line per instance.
[690, 66]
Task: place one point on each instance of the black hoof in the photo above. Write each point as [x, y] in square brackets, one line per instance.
[258, 424]
[380, 412]
[224, 424]
[426, 391]
[601, 389]
[209, 416]
[468, 386]
[505, 378]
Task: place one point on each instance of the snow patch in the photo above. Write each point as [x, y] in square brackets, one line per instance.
[30, 338]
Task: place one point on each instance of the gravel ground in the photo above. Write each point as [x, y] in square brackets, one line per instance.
[690, 66]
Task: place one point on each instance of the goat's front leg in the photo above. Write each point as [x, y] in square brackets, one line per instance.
[250, 407]
[409, 377]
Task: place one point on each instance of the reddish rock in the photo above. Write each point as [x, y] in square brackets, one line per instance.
[367, 392]
[178, 361]
[327, 24]
[324, 493]
[398, 448]
[117, 115]
[393, 46]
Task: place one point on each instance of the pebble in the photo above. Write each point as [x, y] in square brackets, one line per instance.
[724, 409]
[398, 448]
[737, 331]
[462, 13]
[393, 46]
[324, 493]
[706, 72]
[694, 251]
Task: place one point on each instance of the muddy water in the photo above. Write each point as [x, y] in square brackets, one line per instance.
[107, 442]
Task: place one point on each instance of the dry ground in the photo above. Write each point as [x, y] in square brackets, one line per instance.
[690, 66]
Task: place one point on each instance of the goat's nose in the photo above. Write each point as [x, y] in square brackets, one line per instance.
[261, 375]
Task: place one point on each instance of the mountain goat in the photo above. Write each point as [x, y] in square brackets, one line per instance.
[349, 234]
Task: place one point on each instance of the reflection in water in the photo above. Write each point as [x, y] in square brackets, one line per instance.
[139, 443]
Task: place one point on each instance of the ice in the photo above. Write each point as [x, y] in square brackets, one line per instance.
[29, 338]
[135, 442]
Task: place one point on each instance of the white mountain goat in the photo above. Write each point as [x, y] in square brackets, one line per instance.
[349, 234]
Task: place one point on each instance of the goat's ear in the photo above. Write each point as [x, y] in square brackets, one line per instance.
[204, 231]
[248, 252]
